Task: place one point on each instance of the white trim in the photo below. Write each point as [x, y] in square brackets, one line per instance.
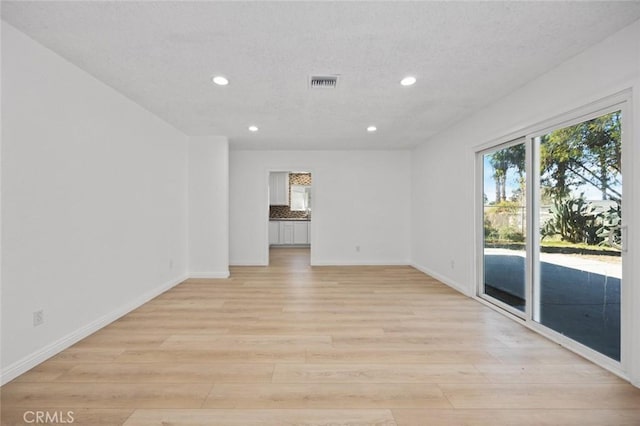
[503, 306]
[360, 263]
[445, 280]
[532, 280]
[629, 300]
[249, 262]
[28, 362]
[505, 312]
[631, 203]
[478, 231]
[212, 275]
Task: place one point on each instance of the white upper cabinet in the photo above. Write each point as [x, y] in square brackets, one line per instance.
[279, 188]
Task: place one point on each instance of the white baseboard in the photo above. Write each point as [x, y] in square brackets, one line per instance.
[359, 263]
[445, 280]
[28, 362]
[248, 262]
[218, 274]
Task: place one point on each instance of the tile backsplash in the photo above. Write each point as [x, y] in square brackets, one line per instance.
[300, 179]
[284, 212]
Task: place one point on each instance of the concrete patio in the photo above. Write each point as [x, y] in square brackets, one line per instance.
[579, 297]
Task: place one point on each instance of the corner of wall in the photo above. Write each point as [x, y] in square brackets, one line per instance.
[208, 207]
[210, 275]
[443, 279]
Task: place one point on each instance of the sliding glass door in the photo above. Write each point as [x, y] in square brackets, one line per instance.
[578, 202]
[552, 243]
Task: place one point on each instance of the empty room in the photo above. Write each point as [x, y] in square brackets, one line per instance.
[320, 213]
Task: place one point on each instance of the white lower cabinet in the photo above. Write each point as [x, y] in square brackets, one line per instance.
[289, 232]
[300, 232]
[274, 232]
[286, 232]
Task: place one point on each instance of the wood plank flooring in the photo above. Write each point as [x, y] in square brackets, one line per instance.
[289, 344]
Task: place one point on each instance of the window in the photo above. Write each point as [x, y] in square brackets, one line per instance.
[300, 198]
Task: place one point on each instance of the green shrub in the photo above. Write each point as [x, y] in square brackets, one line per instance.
[511, 234]
[575, 220]
[610, 232]
[490, 232]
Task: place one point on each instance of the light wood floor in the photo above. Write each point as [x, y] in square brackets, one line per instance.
[290, 344]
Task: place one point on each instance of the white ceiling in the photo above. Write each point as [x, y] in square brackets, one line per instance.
[464, 54]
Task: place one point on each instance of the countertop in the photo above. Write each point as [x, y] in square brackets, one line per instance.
[295, 219]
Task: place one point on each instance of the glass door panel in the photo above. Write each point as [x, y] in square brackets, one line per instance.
[504, 219]
[578, 209]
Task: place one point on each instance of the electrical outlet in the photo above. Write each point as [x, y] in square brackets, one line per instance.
[453, 264]
[38, 318]
[170, 263]
[358, 249]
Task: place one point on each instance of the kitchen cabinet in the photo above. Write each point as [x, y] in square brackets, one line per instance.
[301, 232]
[286, 232]
[274, 232]
[279, 188]
[289, 232]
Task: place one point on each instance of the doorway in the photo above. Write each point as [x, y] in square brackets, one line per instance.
[290, 213]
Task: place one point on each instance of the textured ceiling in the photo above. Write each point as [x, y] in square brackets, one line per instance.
[464, 54]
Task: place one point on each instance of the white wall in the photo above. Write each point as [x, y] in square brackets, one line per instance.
[209, 207]
[443, 167]
[94, 203]
[358, 199]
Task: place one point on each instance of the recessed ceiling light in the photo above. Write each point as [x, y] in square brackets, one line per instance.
[253, 128]
[408, 81]
[372, 129]
[220, 80]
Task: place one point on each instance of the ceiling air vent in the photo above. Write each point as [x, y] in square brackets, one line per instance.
[323, 81]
